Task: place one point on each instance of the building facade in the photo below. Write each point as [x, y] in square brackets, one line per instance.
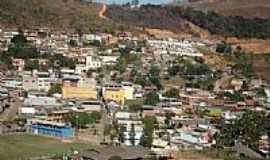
[114, 92]
[79, 92]
[51, 128]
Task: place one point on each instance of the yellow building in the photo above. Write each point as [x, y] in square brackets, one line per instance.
[79, 92]
[114, 93]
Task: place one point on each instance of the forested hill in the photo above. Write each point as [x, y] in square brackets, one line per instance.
[174, 18]
[150, 16]
[232, 26]
[74, 14]
[51, 13]
[244, 8]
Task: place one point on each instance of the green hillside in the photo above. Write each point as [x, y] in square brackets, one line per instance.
[245, 8]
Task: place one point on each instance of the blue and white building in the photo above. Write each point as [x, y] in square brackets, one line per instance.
[42, 127]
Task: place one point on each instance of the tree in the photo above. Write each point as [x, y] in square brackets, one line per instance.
[96, 116]
[55, 88]
[141, 80]
[96, 43]
[19, 39]
[135, 107]
[80, 120]
[173, 70]
[261, 92]
[154, 71]
[247, 130]
[62, 61]
[31, 65]
[89, 73]
[224, 48]
[132, 135]
[121, 65]
[154, 76]
[122, 131]
[23, 51]
[235, 26]
[148, 130]
[21, 48]
[6, 60]
[152, 98]
[236, 96]
[73, 43]
[172, 93]
[168, 119]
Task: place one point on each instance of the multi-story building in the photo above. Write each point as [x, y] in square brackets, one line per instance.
[38, 81]
[50, 128]
[88, 62]
[114, 92]
[81, 88]
[18, 64]
[129, 90]
[11, 83]
[79, 92]
[132, 125]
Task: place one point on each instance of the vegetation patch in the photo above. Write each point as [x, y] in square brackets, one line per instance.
[13, 147]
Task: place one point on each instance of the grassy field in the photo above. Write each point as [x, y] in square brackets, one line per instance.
[14, 147]
[206, 154]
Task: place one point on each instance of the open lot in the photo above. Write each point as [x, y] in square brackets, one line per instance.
[14, 147]
[208, 154]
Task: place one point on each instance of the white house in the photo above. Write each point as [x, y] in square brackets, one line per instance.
[175, 47]
[11, 83]
[128, 90]
[109, 60]
[132, 123]
[40, 101]
[92, 37]
[88, 62]
[39, 81]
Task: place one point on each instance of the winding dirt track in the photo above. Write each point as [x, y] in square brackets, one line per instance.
[102, 11]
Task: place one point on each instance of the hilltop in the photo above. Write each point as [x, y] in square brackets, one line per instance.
[244, 8]
[147, 16]
[64, 14]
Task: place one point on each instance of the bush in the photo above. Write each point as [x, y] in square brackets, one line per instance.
[152, 98]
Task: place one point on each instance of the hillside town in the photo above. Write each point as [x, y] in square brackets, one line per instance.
[141, 97]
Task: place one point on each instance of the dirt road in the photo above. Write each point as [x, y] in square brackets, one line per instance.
[102, 11]
[11, 113]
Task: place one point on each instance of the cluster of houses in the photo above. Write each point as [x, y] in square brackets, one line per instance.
[191, 113]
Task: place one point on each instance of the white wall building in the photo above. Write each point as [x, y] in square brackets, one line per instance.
[174, 47]
[38, 81]
[129, 90]
[88, 62]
